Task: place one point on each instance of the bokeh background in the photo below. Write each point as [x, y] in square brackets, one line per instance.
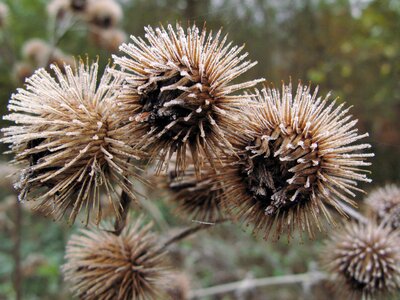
[348, 47]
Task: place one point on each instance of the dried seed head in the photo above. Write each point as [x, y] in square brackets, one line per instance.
[300, 155]
[109, 39]
[58, 8]
[101, 265]
[178, 286]
[78, 5]
[21, 71]
[67, 144]
[364, 260]
[384, 203]
[179, 90]
[41, 54]
[3, 15]
[198, 197]
[104, 13]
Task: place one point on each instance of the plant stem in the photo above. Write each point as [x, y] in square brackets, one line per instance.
[313, 276]
[189, 231]
[120, 220]
[17, 251]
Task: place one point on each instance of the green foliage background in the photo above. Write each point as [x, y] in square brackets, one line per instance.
[351, 48]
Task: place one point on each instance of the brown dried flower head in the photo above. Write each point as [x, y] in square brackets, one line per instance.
[104, 13]
[40, 54]
[100, 265]
[67, 143]
[108, 39]
[196, 196]
[22, 70]
[179, 89]
[300, 155]
[364, 260]
[384, 203]
[78, 5]
[178, 286]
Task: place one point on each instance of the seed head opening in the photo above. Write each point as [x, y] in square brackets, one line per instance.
[104, 13]
[179, 88]
[67, 143]
[299, 156]
[364, 260]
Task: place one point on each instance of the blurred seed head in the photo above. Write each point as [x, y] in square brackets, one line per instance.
[364, 261]
[101, 265]
[384, 203]
[58, 8]
[299, 156]
[3, 15]
[108, 39]
[40, 54]
[36, 51]
[196, 196]
[78, 5]
[179, 89]
[67, 143]
[178, 287]
[104, 13]
[21, 71]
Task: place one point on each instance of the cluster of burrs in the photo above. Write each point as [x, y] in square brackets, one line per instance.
[278, 160]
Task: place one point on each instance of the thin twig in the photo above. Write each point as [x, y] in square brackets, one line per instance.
[120, 220]
[17, 251]
[188, 232]
[313, 276]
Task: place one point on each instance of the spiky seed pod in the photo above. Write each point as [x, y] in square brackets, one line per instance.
[179, 88]
[298, 155]
[104, 13]
[101, 265]
[178, 287]
[3, 15]
[67, 143]
[384, 203]
[196, 196]
[364, 260]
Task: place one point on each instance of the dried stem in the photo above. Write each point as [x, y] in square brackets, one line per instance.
[17, 251]
[188, 232]
[245, 284]
[120, 220]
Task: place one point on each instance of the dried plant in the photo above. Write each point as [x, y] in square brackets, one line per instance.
[178, 286]
[39, 53]
[384, 203]
[104, 13]
[196, 196]
[364, 260]
[179, 88]
[109, 39]
[299, 156]
[68, 144]
[101, 265]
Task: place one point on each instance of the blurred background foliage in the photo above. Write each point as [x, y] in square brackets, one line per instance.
[348, 47]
